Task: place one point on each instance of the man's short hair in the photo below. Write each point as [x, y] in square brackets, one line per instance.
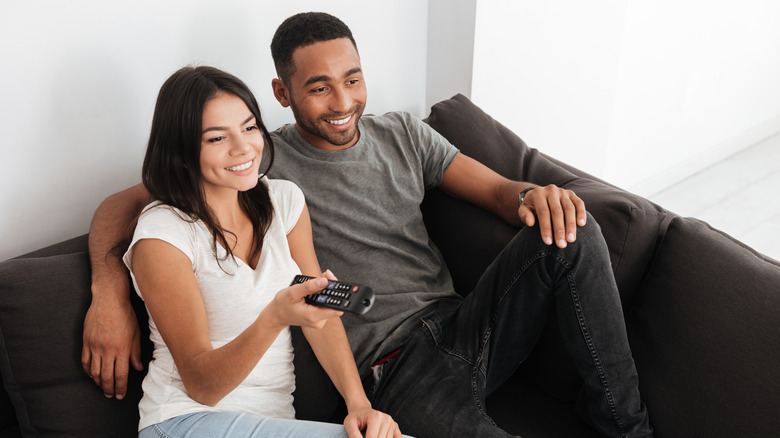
[302, 30]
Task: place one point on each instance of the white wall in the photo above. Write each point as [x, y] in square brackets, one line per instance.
[78, 81]
[639, 93]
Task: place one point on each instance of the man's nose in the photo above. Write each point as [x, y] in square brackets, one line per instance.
[341, 101]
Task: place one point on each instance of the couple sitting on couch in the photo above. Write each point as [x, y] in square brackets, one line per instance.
[213, 255]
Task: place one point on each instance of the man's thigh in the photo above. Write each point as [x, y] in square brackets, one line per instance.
[500, 321]
[430, 391]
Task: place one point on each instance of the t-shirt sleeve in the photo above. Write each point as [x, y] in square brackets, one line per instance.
[159, 221]
[436, 152]
[288, 202]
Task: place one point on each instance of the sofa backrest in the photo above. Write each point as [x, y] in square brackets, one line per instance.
[44, 297]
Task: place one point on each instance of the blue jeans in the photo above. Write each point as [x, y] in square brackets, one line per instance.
[437, 385]
[232, 424]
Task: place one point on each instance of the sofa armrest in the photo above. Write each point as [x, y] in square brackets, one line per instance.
[705, 334]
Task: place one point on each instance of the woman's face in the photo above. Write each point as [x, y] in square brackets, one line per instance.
[231, 146]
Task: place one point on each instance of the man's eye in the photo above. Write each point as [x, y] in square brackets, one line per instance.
[318, 90]
[353, 81]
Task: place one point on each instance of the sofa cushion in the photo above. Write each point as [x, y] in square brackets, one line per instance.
[470, 237]
[705, 333]
[43, 301]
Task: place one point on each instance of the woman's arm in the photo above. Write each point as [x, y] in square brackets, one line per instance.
[170, 290]
[331, 347]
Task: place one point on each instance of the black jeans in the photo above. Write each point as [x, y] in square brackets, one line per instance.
[437, 385]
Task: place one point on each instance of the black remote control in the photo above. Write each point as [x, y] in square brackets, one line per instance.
[340, 296]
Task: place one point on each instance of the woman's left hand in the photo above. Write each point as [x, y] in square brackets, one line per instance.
[376, 424]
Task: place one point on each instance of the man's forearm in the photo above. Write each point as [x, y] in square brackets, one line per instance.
[111, 226]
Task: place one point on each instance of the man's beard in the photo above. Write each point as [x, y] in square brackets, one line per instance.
[334, 138]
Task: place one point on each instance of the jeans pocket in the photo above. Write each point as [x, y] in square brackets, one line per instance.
[433, 327]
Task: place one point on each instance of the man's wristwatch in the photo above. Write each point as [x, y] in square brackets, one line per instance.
[521, 195]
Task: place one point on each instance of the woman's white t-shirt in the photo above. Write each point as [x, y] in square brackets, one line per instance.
[233, 294]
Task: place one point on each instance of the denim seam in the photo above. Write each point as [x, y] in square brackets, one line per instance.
[474, 367]
[446, 350]
[530, 261]
[594, 355]
[159, 432]
[489, 331]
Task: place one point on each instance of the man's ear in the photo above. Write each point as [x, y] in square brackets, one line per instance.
[280, 92]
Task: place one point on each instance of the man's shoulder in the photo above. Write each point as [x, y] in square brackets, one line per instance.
[392, 118]
[396, 124]
[283, 132]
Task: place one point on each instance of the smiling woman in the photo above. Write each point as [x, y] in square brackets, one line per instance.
[219, 313]
[231, 148]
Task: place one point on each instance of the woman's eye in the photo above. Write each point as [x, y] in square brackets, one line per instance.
[216, 139]
[251, 128]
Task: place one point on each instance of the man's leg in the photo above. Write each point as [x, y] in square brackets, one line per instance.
[440, 380]
[429, 390]
[511, 303]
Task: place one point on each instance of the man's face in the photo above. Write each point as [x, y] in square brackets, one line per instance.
[326, 93]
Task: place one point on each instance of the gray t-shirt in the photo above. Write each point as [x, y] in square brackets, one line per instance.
[368, 228]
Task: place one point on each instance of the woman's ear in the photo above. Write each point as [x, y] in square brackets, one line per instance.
[280, 92]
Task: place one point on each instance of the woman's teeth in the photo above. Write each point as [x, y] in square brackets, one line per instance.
[244, 166]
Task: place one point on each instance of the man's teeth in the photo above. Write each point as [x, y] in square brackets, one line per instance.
[244, 166]
[340, 121]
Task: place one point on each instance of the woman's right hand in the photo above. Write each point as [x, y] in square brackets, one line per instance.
[288, 308]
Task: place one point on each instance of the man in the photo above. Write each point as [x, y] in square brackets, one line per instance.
[364, 179]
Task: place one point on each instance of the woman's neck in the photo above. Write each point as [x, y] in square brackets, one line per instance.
[226, 209]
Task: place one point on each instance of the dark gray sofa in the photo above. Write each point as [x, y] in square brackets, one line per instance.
[702, 311]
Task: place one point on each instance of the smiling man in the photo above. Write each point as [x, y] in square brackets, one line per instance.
[325, 116]
[364, 178]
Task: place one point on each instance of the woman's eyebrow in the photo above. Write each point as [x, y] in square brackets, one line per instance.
[222, 128]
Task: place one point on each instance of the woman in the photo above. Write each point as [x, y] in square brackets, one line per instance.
[212, 257]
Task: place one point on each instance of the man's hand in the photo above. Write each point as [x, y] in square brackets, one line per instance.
[376, 424]
[558, 211]
[112, 341]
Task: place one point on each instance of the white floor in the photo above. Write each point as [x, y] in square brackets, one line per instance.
[739, 195]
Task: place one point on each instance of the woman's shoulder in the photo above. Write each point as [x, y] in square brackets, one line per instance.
[158, 217]
[157, 210]
[282, 188]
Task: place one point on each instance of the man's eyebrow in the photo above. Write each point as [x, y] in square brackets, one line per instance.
[320, 78]
[223, 128]
[354, 71]
[326, 78]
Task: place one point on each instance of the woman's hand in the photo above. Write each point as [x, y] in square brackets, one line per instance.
[288, 308]
[376, 424]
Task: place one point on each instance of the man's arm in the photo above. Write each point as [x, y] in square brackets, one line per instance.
[111, 333]
[557, 210]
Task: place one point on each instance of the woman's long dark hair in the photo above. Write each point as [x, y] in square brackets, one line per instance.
[171, 170]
